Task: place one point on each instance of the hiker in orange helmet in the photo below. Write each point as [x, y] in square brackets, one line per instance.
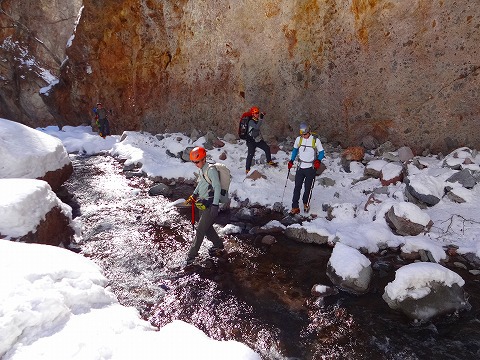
[254, 137]
[206, 198]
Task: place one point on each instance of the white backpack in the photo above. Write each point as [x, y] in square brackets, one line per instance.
[225, 179]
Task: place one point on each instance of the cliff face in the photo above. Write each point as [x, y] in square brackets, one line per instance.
[404, 71]
[33, 37]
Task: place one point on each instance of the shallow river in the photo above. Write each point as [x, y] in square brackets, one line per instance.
[257, 294]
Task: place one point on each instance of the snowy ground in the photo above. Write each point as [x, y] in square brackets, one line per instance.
[49, 303]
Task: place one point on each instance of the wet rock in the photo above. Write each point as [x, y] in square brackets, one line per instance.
[55, 230]
[131, 174]
[424, 290]
[319, 290]
[353, 279]
[129, 167]
[473, 259]
[269, 240]
[160, 189]
[57, 177]
[51, 220]
[298, 233]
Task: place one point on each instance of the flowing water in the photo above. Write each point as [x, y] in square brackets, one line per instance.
[257, 294]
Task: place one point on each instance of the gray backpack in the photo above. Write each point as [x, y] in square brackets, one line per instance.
[225, 179]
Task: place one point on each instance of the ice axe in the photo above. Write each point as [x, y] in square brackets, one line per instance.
[193, 215]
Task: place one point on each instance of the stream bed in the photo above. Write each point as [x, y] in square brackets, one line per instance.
[257, 294]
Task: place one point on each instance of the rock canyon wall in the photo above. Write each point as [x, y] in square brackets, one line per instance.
[404, 71]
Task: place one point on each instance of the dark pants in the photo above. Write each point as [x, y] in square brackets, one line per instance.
[204, 228]
[103, 127]
[252, 145]
[307, 175]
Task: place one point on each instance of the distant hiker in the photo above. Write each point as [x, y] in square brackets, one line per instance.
[206, 197]
[310, 152]
[254, 137]
[102, 121]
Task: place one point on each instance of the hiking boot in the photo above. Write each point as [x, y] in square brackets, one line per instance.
[306, 208]
[189, 260]
[215, 251]
[295, 211]
[272, 163]
[247, 171]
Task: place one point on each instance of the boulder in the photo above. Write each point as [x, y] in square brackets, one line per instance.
[349, 269]
[32, 154]
[298, 233]
[407, 219]
[31, 212]
[426, 290]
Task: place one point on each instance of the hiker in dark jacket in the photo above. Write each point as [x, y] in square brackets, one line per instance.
[103, 124]
[255, 139]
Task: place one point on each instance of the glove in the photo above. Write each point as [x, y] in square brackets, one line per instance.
[262, 115]
[290, 164]
[191, 199]
[316, 164]
[213, 211]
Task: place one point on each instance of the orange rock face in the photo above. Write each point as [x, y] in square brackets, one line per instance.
[399, 71]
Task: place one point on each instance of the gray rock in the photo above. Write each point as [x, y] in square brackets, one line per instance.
[302, 235]
[358, 285]
[428, 199]
[160, 189]
[405, 227]
[441, 300]
[463, 177]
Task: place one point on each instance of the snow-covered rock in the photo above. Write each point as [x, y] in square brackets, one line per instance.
[349, 269]
[32, 154]
[425, 290]
[31, 212]
[408, 219]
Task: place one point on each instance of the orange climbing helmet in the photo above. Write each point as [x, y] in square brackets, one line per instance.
[254, 110]
[198, 153]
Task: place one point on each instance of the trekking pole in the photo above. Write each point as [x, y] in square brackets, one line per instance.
[310, 194]
[285, 187]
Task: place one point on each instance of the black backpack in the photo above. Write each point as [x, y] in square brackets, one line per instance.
[243, 126]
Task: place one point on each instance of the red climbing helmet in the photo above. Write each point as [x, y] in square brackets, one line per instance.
[254, 110]
[198, 153]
